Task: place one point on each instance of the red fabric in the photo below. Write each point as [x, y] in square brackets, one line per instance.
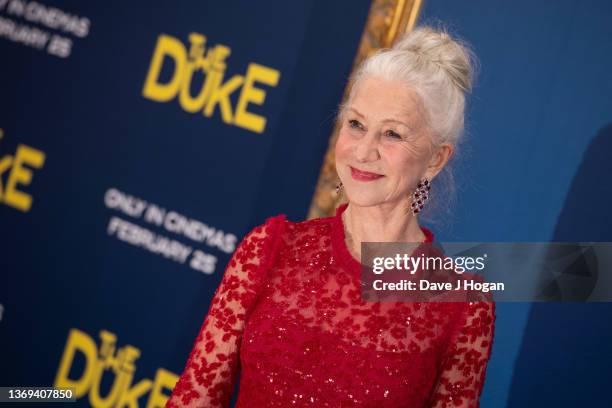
[288, 318]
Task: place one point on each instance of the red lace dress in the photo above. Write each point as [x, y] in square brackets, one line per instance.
[288, 316]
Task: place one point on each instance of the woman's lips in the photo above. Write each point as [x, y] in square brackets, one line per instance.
[364, 175]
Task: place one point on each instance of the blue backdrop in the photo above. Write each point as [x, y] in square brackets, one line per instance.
[535, 168]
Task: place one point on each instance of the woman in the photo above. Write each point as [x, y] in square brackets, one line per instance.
[288, 311]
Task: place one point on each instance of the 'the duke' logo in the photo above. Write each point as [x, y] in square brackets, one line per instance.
[119, 365]
[18, 168]
[214, 91]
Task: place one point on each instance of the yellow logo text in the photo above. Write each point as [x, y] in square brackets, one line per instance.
[214, 91]
[18, 174]
[120, 362]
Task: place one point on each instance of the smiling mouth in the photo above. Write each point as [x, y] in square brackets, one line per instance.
[364, 175]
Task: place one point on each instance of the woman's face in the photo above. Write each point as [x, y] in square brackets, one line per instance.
[384, 147]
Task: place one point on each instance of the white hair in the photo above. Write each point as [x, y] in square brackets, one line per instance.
[438, 67]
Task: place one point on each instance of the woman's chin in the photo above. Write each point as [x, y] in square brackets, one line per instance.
[365, 200]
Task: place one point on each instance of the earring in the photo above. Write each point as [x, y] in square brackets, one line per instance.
[339, 188]
[420, 195]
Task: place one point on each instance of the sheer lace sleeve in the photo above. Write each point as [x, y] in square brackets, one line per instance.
[463, 372]
[210, 372]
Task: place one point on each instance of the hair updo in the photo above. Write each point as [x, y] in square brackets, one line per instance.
[438, 67]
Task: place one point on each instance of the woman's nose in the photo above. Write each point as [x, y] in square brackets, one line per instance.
[367, 148]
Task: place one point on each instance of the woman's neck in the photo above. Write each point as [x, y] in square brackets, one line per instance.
[379, 224]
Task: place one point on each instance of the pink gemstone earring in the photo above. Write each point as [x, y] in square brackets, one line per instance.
[339, 188]
[420, 195]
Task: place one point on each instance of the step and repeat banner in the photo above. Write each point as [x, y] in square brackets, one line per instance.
[139, 142]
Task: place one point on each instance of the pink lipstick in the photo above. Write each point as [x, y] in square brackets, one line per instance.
[364, 175]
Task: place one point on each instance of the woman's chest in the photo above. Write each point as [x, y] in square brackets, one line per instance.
[312, 339]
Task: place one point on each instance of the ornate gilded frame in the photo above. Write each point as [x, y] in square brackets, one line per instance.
[387, 19]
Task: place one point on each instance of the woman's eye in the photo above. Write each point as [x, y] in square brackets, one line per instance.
[393, 134]
[354, 124]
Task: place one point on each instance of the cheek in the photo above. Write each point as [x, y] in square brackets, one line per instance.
[405, 162]
[343, 147]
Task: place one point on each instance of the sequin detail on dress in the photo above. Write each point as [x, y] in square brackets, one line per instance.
[289, 317]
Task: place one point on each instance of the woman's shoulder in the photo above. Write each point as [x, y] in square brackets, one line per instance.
[265, 241]
[280, 224]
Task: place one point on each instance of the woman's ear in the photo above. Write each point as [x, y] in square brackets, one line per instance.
[439, 159]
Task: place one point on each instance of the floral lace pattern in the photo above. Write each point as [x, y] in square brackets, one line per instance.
[289, 317]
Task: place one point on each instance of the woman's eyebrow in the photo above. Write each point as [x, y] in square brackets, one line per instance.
[356, 112]
[384, 120]
[397, 121]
